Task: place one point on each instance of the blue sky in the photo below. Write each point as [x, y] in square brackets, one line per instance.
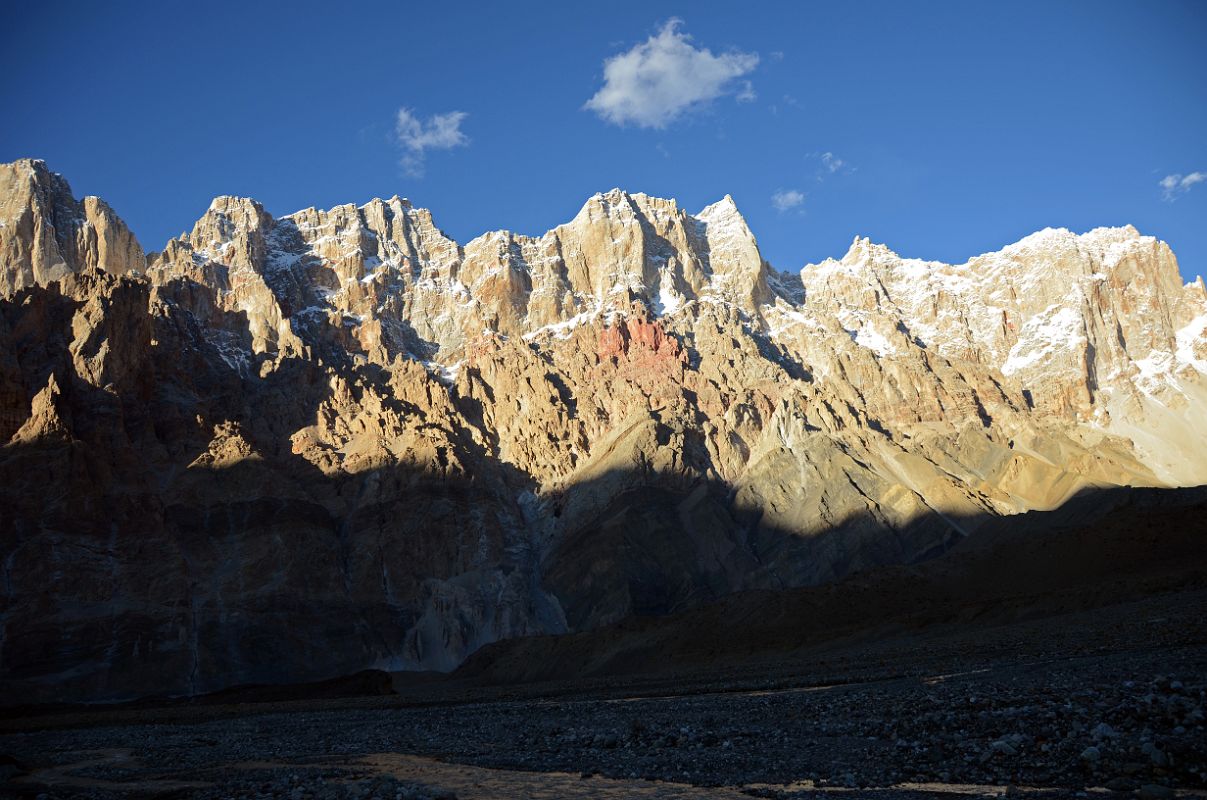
[951, 128]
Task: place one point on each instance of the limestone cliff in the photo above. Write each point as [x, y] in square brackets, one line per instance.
[293, 447]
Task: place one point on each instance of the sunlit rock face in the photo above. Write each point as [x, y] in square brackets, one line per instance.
[288, 448]
[45, 233]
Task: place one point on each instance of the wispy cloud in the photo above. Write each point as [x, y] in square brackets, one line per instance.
[661, 79]
[788, 99]
[787, 199]
[828, 164]
[831, 162]
[417, 135]
[1173, 186]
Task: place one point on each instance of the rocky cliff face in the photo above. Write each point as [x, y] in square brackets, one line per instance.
[297, 447]
[46, 233]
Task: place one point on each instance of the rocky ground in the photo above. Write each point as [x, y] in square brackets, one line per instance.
[1109, 702]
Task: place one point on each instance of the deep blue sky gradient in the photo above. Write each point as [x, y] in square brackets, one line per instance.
[966, 125]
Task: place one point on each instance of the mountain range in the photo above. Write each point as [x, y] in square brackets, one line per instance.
[285, 449]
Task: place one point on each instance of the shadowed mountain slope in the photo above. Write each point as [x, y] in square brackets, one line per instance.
[1099, 549]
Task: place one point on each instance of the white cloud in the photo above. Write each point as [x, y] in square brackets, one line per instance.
[664, 77]
[417, 136]
[785, 199]
[747, 94]
[1174, 185]
[831, 162]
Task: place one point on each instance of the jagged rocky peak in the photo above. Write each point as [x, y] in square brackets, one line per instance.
[387, 261]
[46, 234]
[228, 217]
[1095, 327]
[733, 254]
[232, 231]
